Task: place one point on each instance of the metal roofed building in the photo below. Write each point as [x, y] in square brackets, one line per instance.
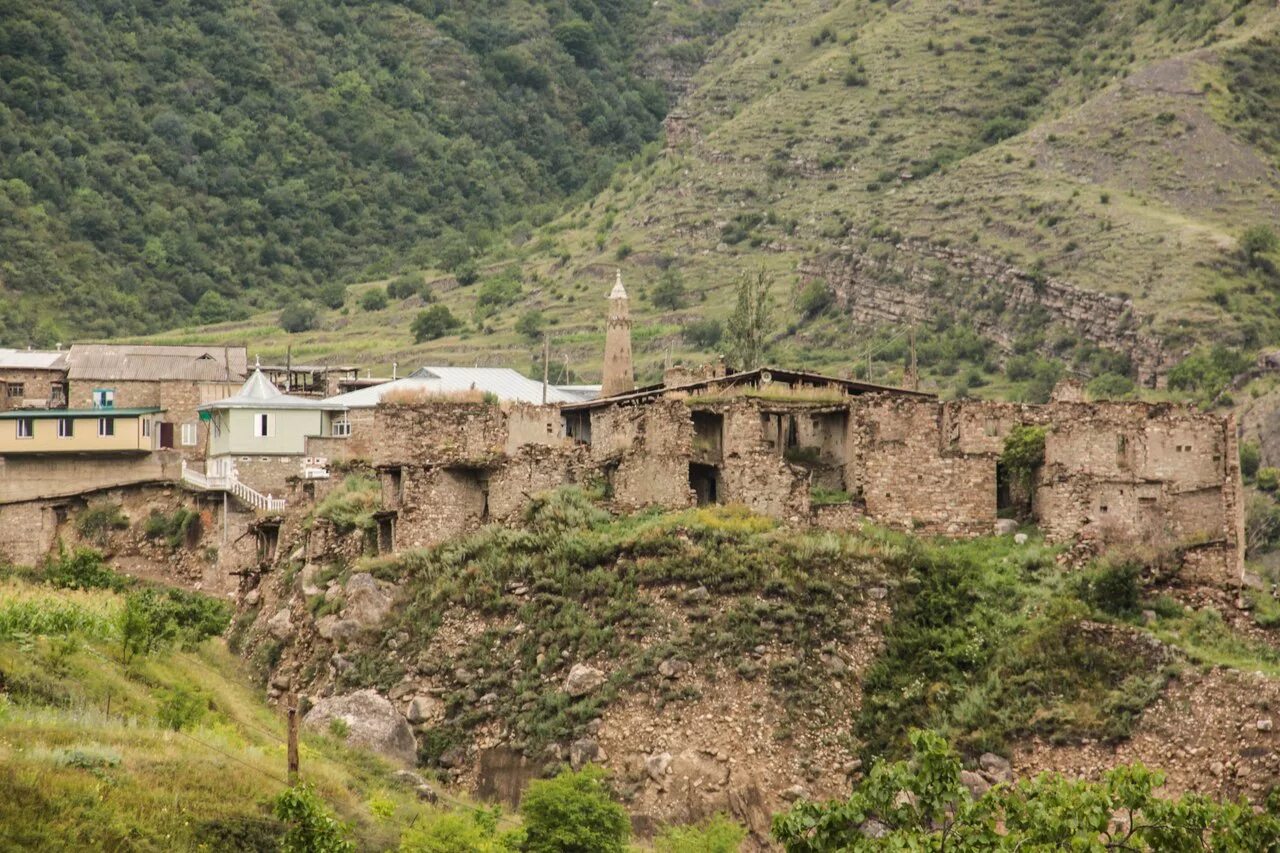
[33, 379]
[503, 382]
[260, 420]
[152, 363]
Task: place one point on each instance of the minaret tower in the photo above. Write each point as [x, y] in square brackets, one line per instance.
[619, 378]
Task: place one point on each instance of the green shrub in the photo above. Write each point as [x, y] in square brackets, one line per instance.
[82, 568]
[1113, 587]
[573, 813]
[669, 293]
[719, 834]
[97, 520]
[451, 832]
[1250, 458]
[352, 505]
[703, 334]
[311, 829]
[814, 299]
[374, 299]
[299, 317]
[530, 324]
[435, 322]
[180, 528]
[1268, 479]
[407, 285]
[180, 708]
[1257, 243]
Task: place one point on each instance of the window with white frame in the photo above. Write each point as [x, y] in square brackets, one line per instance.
[106, 427]
[104, 398]
[263, 425]
[146, 427]
[66, 427]
[341, 428]
[26, 427]
[188, 435]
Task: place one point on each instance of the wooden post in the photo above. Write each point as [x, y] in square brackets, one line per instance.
[293, 739]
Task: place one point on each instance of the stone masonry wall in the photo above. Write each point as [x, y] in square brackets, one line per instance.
[36, 385]
[644, 451]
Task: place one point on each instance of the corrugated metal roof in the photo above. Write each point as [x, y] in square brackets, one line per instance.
[131, 362]
[503, 382]
[258, 393]
[17, 359]
[506, 383]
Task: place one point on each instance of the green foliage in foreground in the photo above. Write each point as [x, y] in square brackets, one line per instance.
[573, 813]
[312, 829]
[1121, 812]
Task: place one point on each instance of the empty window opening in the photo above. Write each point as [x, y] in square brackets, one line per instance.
[705, 482]
[708, 436]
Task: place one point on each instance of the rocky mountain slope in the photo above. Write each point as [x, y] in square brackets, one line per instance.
[714, 661]
[1069, 182]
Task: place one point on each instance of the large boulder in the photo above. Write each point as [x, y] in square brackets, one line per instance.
[372, 722]
[583, 679]
[365, 602]
[281, 624]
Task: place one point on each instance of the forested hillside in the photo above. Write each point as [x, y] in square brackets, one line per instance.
[164, 162]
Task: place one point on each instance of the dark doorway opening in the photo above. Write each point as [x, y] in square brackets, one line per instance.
[166, 435]
[705, 482]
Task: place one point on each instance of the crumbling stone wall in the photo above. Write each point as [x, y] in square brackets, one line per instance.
[915, 477]
[644, 453]
[364, 443]
[439, 432]
[755, 472]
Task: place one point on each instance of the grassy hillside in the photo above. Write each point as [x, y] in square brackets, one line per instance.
[197, 159]
[174, 750]
[1123, 148]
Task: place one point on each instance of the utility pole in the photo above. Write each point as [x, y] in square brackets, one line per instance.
[868, 359]
[293, 738]
[288, 368]
[546, 364]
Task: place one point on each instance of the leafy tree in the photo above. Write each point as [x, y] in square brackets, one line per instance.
[750, 323]
[1268, 479]
[435, 322]
[573, 813]
[669, 293]
[405, 286]
[374, 299]
[1023, 453]
[920, 804]
[212, 307]
[180, 708]
[1110, 386]
[530, 324]
[311, 828]
[1208, 372]
[299, 317]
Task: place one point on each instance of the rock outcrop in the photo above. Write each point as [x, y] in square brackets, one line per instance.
[371, 722]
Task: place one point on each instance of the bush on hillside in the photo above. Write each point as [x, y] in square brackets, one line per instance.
[435, 322]
[718, 834]
[1268, 479]
[182, 527]
[573, 812]
[1114, 587]
[814, 299]
[1250, 458]
[374, 299]
[1259, 244]
[530, 325]
[703, 334]
[299, 317]
[1049, 812]
[311, 828]
[81, 568]
[181, 708]
[96, 521]
[409, 284]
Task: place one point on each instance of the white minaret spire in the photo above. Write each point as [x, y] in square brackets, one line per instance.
[619, 377]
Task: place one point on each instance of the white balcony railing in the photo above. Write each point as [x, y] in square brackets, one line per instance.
[230, 483]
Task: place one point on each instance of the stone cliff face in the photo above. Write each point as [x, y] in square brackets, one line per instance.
[910, 281]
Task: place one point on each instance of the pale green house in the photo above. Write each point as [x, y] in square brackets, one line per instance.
[262, 421]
